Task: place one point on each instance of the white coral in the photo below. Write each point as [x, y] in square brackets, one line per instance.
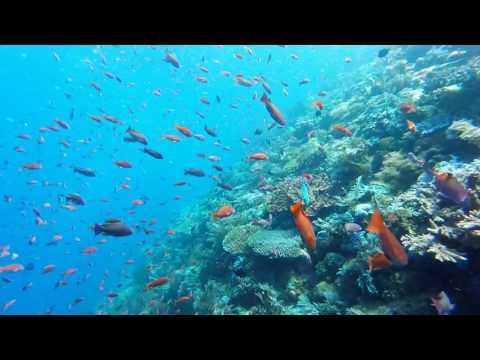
[442, 253]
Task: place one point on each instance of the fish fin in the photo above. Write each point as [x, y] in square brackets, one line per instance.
[376, 222]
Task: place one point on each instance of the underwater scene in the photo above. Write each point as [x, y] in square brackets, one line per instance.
[240, 180]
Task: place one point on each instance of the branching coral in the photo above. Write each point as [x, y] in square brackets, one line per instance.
[421, 244]
[288, 191]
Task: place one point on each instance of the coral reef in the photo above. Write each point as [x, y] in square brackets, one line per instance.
[252, 263]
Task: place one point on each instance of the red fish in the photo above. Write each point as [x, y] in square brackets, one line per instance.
[238, 56]
[33, 166]
[173, 138]
[258, 156]
[272, 110]
[112, 119]
[11, 268]
[89, 250]
[182, 299]
[180, 183]
[408, 108]
[139, 137]
[389, 243]
[224, 211]
[48, 268]
[138, 202]
[158, 282]
[171, 232]
[205, 100]
[184, 130]
[202, 79]
[378, 261]
[451, 188]
[24, 136]
[241, 81]
[122, 164]
[304, 225]
[318, 105]
[63, 124]
[70, 271]
[343, 130]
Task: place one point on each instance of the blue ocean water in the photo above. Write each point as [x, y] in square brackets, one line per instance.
[43, 83]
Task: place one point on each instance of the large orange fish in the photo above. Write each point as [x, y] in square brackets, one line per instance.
[304, 225]
[393, 250]
[224, 211]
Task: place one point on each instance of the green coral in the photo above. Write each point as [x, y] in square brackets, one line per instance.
[398, 171]
[235, 242]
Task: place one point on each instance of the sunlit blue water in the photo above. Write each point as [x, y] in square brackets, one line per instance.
[33, 91]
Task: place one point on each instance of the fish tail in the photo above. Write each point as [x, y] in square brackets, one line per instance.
[376, 222]
[97, 229]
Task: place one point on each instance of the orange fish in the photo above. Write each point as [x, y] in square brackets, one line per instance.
[11, 268]
[389, 243]
[318, 105]
[378, 261]
[343, 130]
[182, 299]
[185, 131]
[173, 138]
[224, 211]
[241, 81]
[122, 164]
[158, 282]
[89, 250]
[202, 79]
[411, 126]
[258, 156]
[304, 225]
[33, 166]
